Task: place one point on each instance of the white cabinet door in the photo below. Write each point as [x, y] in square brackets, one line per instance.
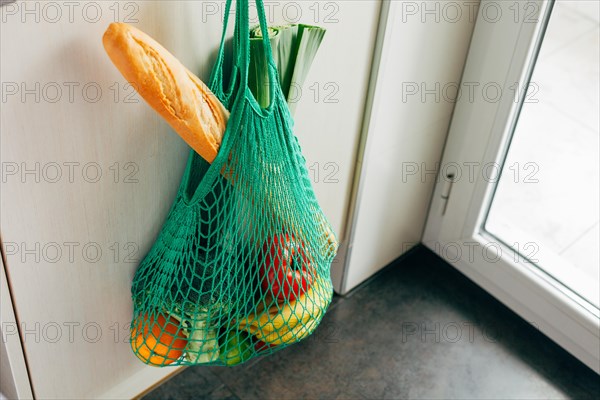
[423, 46]
[89, 171]
[14, 379]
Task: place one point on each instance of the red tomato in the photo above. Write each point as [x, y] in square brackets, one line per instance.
[286, 270]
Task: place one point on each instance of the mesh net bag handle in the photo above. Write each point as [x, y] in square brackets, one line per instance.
[241, 265]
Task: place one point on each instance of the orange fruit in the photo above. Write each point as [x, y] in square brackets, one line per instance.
[157, 340]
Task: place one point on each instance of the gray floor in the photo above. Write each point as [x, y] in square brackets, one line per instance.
[418, 330]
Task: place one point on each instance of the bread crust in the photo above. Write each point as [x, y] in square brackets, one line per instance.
[180, 97]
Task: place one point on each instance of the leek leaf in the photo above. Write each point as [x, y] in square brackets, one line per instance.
[293, 48]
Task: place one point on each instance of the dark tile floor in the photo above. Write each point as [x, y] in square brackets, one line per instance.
[417, 330]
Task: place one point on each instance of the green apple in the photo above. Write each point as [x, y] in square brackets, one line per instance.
[235, 347]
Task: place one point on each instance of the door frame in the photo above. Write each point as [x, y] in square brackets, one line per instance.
[502, 53]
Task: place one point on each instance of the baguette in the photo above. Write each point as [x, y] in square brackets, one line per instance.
[180, 97]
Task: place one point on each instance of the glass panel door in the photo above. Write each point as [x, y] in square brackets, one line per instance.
[546, 205]
[519, 213]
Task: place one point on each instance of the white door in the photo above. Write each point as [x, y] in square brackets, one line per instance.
[516, 204]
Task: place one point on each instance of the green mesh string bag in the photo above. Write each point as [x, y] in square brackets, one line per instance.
[241, 265]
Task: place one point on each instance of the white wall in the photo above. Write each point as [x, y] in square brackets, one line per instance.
[75, 305]
[423, 54]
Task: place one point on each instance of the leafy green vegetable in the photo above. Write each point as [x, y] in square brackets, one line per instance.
[308, 42]
[294, 48]
[202, 334]
[203, 345]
